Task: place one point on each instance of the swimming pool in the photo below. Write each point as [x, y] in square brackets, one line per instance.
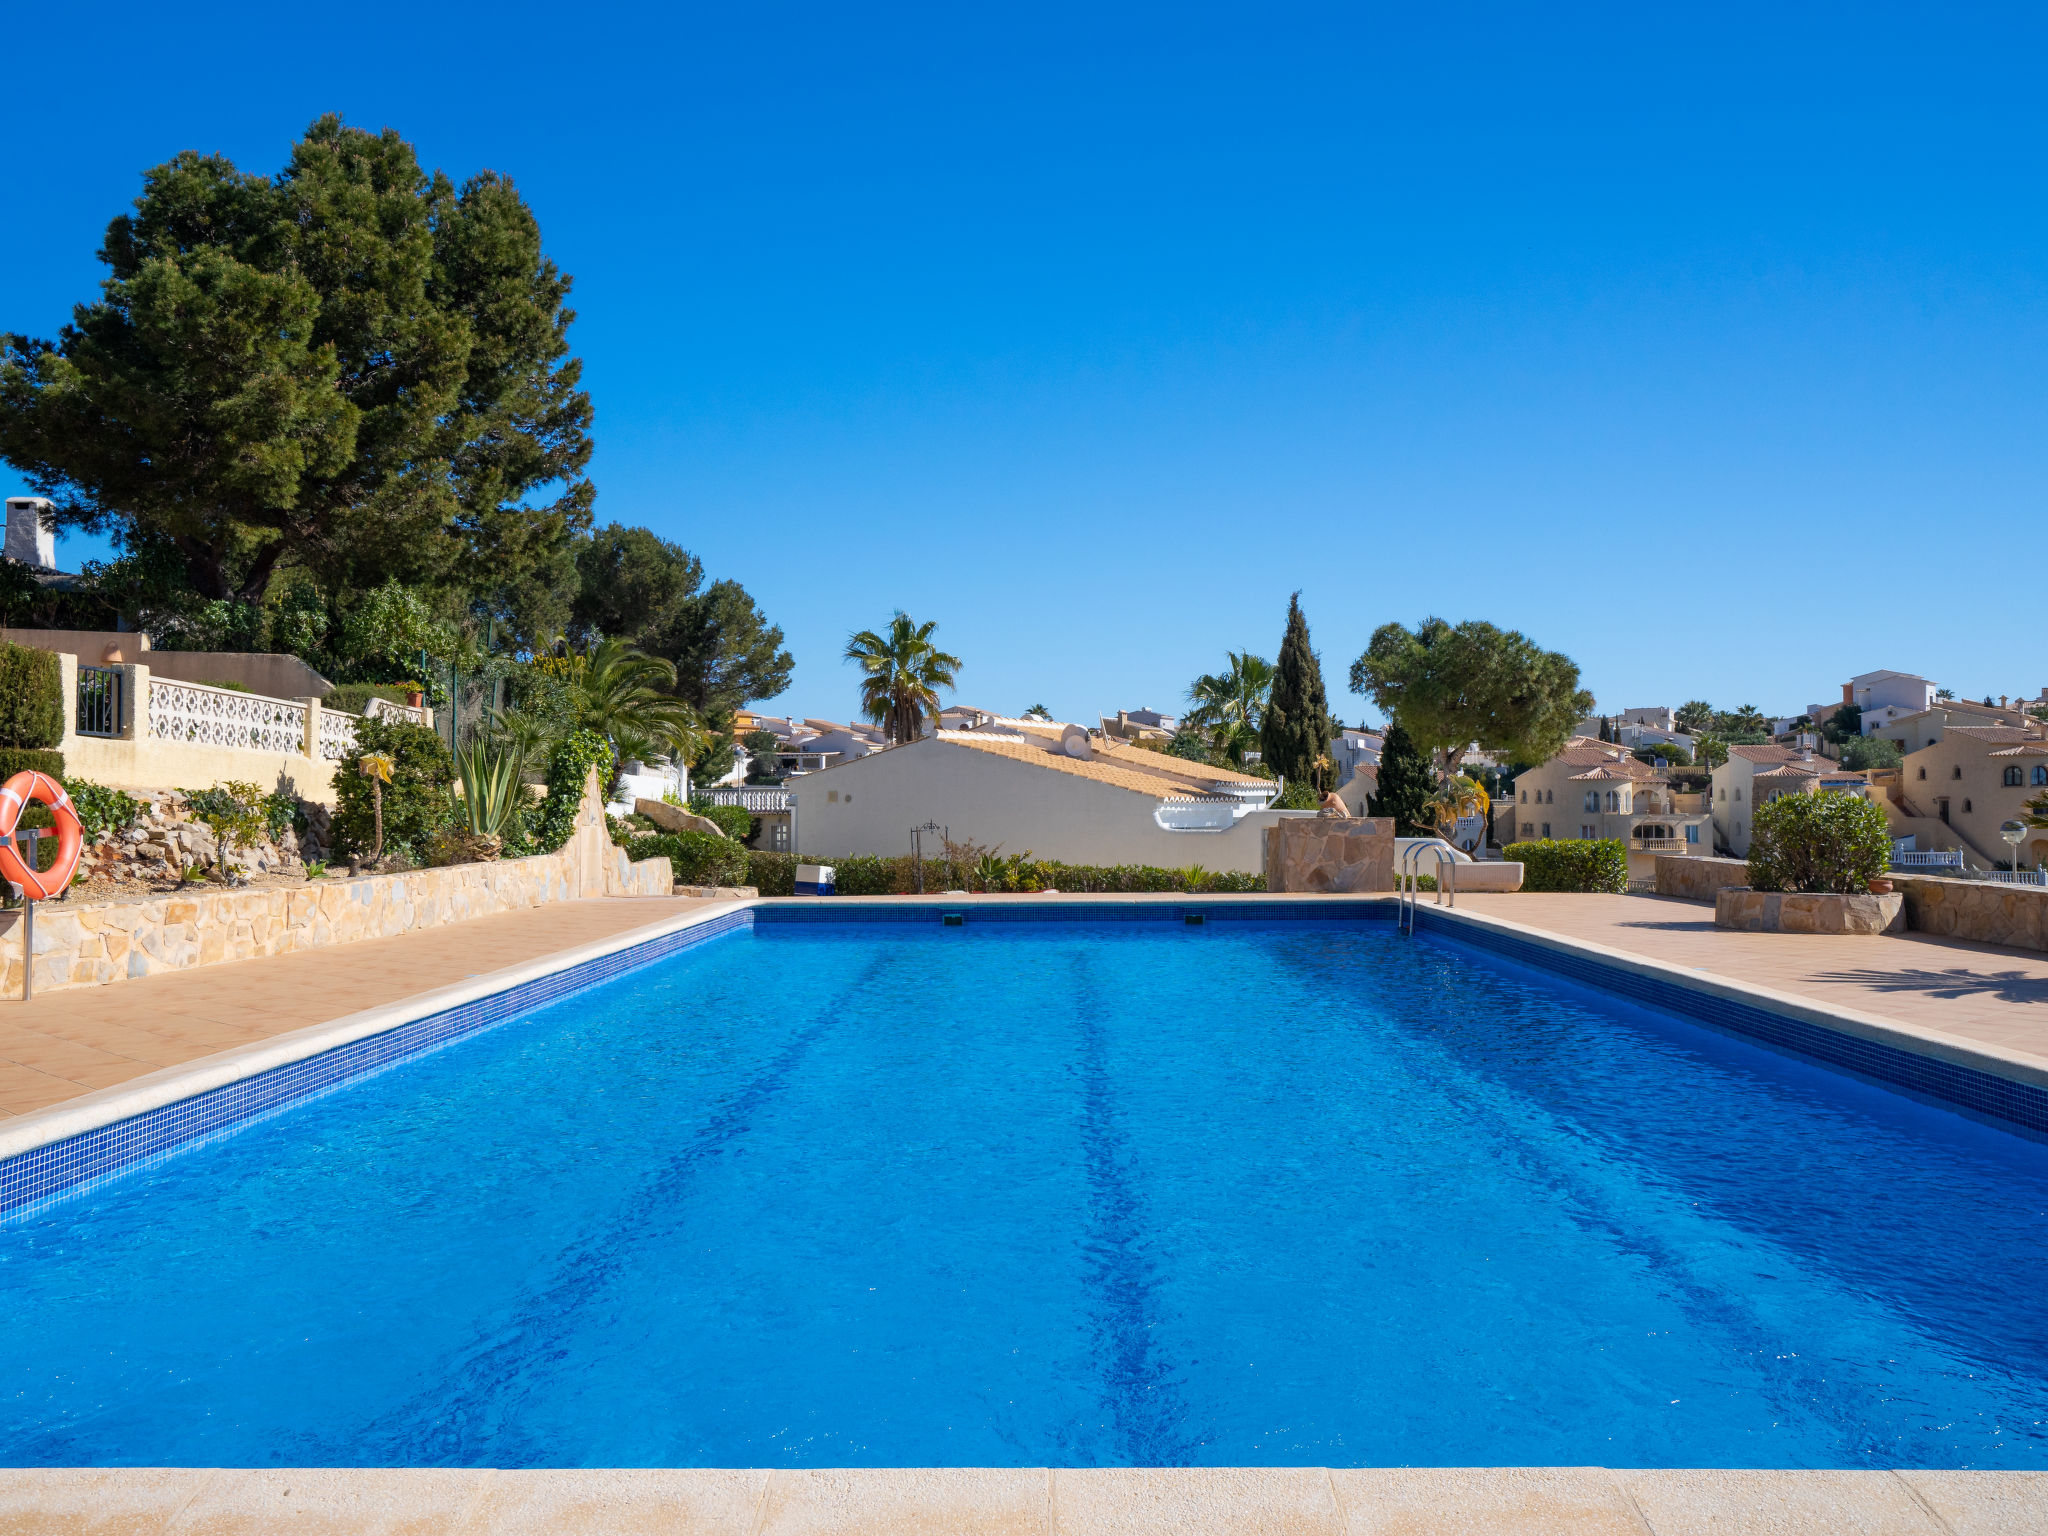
[1287, 1192]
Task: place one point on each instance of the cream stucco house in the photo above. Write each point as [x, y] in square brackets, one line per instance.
[1755, 775]
[1594, 789]
[1972, 778]
[1055, 790]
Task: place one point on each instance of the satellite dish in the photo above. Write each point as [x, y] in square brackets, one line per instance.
[1074, 742]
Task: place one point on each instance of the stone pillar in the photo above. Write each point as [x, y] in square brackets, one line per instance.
[67, 691]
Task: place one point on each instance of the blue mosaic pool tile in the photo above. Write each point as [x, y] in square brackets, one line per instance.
[92, 1157]
[1948, 1083]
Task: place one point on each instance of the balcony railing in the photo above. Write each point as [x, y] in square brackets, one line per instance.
[2018, 876]
[1924, 858]
[756, 798]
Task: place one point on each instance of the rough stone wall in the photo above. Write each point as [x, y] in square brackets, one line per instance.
[1978, 910]
[1808, 912]
[1340, 854]
[1698, 879]
[79, 946]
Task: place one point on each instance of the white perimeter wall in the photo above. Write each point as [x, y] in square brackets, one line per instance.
[992, 800]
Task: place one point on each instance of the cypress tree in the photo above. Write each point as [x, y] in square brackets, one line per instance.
[1606, 730]
[1406, 784]
[1297, 728]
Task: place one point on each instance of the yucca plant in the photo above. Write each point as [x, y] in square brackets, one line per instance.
[493, 787]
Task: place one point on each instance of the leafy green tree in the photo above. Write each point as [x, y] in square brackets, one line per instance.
[1191, 744]
[1295, 732]
[1450, 686]
[1406, 784]
[633, 584]
[725, 651]
[1674, 755]
[1844, 724]
[902, 672]
[353, 368]
[1709, 750]
[1863, 752]
[1230, 705]
[1693, 716]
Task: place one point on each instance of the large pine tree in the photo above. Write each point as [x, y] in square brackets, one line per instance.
[1406, 784]
[1297, 728]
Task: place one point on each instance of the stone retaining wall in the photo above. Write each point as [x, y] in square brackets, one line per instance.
[1807, 912]
[82, 946]
[1697, 879]
[1979, 910]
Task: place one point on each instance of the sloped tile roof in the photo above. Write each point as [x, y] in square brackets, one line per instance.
[1821, 762]
[1132, 768]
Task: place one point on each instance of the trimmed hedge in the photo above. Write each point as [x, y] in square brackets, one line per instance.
[31, 697]
[868, 874]
[1571, 864]
[15, 760]
[696, 858]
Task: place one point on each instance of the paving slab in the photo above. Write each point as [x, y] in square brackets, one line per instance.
[1984, 1503]
[88, 1501]
[1805, 1503]
[672, 1502]
[334, 1501]
[908, 1501]
[1484, 1501]
[1217, 1501]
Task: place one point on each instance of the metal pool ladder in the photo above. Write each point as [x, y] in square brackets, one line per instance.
[1407, 887]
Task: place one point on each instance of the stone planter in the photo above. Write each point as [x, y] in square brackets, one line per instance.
[1737, 906]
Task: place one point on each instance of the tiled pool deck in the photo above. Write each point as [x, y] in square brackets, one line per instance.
[75, 1044]
[1029, 1501]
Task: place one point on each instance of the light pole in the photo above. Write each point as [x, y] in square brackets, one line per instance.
[2014, 832]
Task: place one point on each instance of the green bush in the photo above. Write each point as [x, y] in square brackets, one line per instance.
[31, 698]
[772, 874]
[696, 858]
[417, 803]
[1299, 795]
[15, 760]
[1548, 864]
[103, 812]
[735, 821]
[574, 756]
[1818, 842]
[1871, 752]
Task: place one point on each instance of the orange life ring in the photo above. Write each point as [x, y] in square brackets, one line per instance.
[39, 885]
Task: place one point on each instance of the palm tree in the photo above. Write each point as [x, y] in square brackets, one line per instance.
[902, 675]
[1230, 705]
[621, 694]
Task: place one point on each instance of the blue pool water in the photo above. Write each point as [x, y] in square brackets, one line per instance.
[895, 1194]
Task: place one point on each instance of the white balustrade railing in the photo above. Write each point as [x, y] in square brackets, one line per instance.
[384, 709]
[1909, 858]
[337, 735]
[2018, 876]
[221, 717]
[757, 799]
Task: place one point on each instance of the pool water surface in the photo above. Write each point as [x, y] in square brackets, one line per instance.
[894, 1194]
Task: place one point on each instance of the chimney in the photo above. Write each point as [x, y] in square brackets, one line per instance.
[1848, 693]
[31, 536]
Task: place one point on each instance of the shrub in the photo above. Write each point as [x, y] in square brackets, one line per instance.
[15, 760]
[772, 874]
[1871, 752]
[234, 810]
[1299, 795]
[352, 698]
[574, 756]
[697, 858]
[735, 821]
[1549, 864]
[103, 812]
[31, 698]
[416, 801]
[1818, 842]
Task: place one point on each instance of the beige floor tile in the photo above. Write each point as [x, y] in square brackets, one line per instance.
[604, 1502]
[324, 1501]
[1483, 1501]
[1985, 1503]
[1216, 1501]
[69, 1501]
[907, 1501]
[1722, 1503]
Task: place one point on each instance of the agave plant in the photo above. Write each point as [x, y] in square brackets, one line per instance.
[493, 787]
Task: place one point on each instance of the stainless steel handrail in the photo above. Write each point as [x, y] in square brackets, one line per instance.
[1407, 889]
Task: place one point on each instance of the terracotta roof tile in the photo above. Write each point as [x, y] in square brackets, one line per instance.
[2004, 734]
[1132, 768]
[1821, 763]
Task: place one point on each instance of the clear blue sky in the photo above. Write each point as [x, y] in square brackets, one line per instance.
[1705, 345]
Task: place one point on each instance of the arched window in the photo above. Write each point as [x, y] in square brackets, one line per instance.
[1923, 773]
[2013, 780]
[2040, 773]
[1592, 799]
[1613, 800]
